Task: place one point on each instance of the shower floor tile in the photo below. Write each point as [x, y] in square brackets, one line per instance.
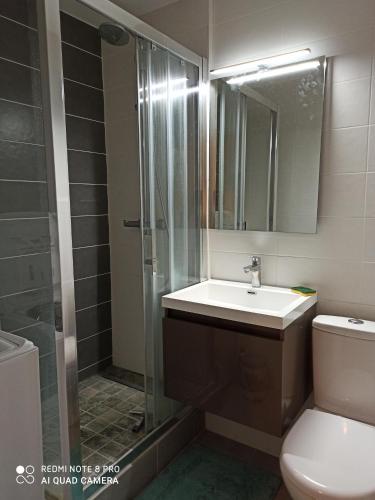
[106, 419]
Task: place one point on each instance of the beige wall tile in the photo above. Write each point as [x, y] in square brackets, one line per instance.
[345, 150]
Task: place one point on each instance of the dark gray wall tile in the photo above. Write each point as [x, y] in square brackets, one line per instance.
[21, 123]
[84, 101]
[88, 199]
[23, 199]
[25, 273]
[91, 261]
[88, 192]
[22, 161]
[30, 313]
[93, 320]
[18, 43]
[24, 237]
[26, 309]
[50, 401]
[90, 230]
[92, 350]
[23, 11]
[81, 66]
[47, 369]
[41, 335]
[90, 168]
[19, 83]
[91, 291]
[80, 34]
[93, 369]
[85, 135]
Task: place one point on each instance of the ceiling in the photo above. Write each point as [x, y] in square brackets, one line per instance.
[136, 7]
[142, 7]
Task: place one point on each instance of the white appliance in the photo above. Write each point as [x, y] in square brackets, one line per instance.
[330, 451]
[20, 420]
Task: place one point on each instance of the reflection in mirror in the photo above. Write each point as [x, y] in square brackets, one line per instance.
[268, 138]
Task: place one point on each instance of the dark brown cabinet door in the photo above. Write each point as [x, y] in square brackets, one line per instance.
[234, 375]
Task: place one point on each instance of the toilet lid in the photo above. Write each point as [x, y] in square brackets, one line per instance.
[330, 456]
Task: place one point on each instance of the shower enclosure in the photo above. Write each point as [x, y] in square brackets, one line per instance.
[135, 115]
[168, 89]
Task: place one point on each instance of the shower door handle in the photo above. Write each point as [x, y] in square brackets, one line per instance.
[132, 223]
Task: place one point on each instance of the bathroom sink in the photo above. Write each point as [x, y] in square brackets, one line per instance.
[268, 306]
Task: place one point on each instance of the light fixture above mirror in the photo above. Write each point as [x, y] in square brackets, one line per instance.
[261, 64]
[271, 73]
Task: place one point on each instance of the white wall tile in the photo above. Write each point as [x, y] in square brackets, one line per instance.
[346, 65]
[371, 149]
[350, 103]
[225, 11]
[307, 21]
[336, 238]
[369, 255]
[342, 195]
[335, 308]
[334, 280]
[367, 295]
[245, 38]
[345, 150]
[370, 195]
[332, 259]
[239, 37]
[372, 103]
[229, 266]
[249, 242]
[343, 43]
[366, 312]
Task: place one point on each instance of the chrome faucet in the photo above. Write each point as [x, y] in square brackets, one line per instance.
[254, 268]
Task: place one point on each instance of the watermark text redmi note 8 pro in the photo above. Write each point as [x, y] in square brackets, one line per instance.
[68, 474]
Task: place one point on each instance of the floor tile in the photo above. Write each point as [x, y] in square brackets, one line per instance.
[86, 419]
[87, 392]
[98, 398]
[106, 425]
[112, 431]
[97, 424]
[95, 459]
[126, 422]
[112, 450]
[96, 441]
[86, 434]
[101, 385]
[98, 410]
[85, 451]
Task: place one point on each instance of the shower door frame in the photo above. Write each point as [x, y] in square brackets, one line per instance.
[53, 82]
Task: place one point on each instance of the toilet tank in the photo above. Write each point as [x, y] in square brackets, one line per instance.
[344, 366]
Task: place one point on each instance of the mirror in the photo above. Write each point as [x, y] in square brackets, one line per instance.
[265, 149]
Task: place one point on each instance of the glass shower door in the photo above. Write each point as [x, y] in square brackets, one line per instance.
[168, 119]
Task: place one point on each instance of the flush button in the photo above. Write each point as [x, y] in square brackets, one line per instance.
[356, 321]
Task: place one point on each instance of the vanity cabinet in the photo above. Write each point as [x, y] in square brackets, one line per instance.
[256, 376]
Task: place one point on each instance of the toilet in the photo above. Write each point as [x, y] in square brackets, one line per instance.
[329, 453]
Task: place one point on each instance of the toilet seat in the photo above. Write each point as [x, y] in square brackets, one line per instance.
[326, 456]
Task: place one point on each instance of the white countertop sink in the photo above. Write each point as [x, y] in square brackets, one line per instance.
[270, 306]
